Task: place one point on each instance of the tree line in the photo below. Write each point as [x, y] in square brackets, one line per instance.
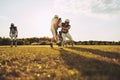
[27, 41]
[46, 41]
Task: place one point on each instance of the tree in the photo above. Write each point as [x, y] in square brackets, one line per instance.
[5, 41]
[20, 42]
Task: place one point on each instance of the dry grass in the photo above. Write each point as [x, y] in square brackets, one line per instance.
[71, 63]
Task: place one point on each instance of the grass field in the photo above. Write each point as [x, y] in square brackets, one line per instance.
[71, 63]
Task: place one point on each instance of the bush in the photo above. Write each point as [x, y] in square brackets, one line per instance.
[5, 41]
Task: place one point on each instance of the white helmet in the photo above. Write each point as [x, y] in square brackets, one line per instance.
[67, 20]
[56, 16]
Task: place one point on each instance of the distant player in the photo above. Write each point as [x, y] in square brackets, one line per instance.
[13, 34]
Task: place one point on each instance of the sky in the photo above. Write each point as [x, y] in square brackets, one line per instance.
[89, 19]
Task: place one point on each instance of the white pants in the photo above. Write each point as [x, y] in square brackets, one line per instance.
[54, 32]
[13, 36]
[64, 36]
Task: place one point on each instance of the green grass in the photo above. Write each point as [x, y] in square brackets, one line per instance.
[71, 63]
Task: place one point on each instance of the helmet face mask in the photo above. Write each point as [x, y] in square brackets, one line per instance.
[66, 22]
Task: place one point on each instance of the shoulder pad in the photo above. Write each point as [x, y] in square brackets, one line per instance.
[63, 24]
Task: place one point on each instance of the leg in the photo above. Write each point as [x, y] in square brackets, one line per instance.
[52, 39]
[54, 33]
[15, 42]
[11, 42]
[51, 44]
[70, 38]
[15, 39]
[55, 37]
[59, 38]
[63, 40]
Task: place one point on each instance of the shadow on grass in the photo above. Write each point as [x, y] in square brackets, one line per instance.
[98, 52]
[89, 68]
